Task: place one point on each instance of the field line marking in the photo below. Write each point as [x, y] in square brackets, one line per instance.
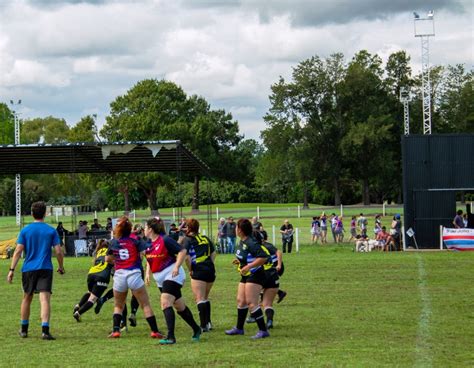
[424, 356]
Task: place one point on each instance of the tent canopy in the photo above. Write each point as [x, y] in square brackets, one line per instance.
[163, 156]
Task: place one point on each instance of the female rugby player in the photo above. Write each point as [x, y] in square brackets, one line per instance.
[251, 258]
[164, 260]
[200, 262]
[126, 253]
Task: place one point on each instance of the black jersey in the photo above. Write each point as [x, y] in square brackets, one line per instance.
[273, 252]
[248, 251]
[199, 248]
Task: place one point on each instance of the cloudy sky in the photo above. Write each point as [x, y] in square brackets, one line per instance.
[72, 58]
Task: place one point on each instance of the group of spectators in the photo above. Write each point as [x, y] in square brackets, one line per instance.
[460, 221]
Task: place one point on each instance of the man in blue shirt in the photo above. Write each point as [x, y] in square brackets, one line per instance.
[36, 240]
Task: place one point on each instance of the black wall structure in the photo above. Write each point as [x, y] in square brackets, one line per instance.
[435, 168]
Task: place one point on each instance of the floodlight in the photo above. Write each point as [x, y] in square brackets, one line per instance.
[416, 15]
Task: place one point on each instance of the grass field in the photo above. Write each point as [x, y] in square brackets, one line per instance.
[343, 309]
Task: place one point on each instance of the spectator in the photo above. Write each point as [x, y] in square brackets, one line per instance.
[82, 230]
[465, 220]
[108, 227]
[324, 228]
[315, 230]
[221, 237]
[377, 225]
[286, 231]
[96, 226]
[395, 230]
[173, 232]
[333, 226]
[458, 220]
[339, 230]
[362, 223]
[353, 228]
[230, 233]
[256, 224]
[62, 232]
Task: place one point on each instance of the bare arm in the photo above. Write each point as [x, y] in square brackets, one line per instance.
[16, 257]
[179, 261]
[60, 258]
[279, 259]
[258, 262]
[213, 256]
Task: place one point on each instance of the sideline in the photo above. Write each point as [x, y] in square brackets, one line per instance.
[424, 357]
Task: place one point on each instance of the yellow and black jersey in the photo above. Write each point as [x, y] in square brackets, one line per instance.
[101, 268]
[199, 248]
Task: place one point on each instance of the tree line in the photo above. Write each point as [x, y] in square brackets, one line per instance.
[332, 136]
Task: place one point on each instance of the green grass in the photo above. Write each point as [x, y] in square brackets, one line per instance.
[343, 309]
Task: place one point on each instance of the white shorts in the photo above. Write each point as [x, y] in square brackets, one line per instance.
[166, 274]
[128, 279]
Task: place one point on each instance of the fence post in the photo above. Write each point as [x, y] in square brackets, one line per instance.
[174, 214]
[441, 237]
[204, 232]
[299, 212]
[297, 240]
[273, 233]
[342, 211]
[95, 215]
[258, 212]
[404, 238]
[217, 213]
[383, 210]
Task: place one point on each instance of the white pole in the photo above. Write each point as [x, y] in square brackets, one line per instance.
[217, 213]
[57, 215]
[441, 237]
[342, 212]
[204, 232]
[299, 212]
[95, 214]
[297, 240]
[404, 238]
[273, 233]
[174, 214]
[134, 215]
[383, 209]
[258, 212]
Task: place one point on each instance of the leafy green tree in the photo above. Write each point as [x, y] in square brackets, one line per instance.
[44, 130]
[84, 130]
[7, 125]
[160, 110]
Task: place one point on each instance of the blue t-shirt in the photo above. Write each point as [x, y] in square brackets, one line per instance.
[38, 239]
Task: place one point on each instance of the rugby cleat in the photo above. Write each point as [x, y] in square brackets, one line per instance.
[281, 296]
[250, 319]
[234, 331]
[156, 335]
[133, 320]
[167, 341]
[47, 337]
[269, 324]
[22, 334]
[261, 335]
[114, 335]
[197, 335]
[76, 308]
[77, 316]
[98, 305]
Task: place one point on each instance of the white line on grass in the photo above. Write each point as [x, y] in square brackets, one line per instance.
[424, 356]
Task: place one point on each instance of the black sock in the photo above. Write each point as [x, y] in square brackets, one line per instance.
[208, 311]
[152, 323]
[88, 305]
[170, 319]
[241, 316]
[107, 296]
[134, 305]
[202, 313]
[258, 315]
[116, 322]
[187, 315]
[84, 299]
[269, 312]
[45, 329]
[280, 293]
[24, 327]
[124, 316]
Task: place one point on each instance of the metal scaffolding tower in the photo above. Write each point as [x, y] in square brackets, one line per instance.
[17, 176]
[424, 28]
[405, 98]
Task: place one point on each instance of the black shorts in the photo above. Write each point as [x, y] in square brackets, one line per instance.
[255, 278]
[204, 272]
[171, 287]
[272, 281]
[96, 285]
[37, 281]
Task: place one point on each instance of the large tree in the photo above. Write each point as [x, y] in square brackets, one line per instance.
[160, 110]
